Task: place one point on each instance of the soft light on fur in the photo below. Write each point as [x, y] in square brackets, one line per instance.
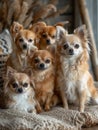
[46, 34]
[19, 92]
[24, 45]
[43, 75]
[73, 81]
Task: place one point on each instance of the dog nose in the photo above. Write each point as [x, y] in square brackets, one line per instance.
[71, 51]
[42, 65]
[20, 90]
[24, 46]
[48, 41]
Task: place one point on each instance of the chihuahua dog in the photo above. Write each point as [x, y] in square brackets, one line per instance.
[73, 81]
[46, 34]
[18, 91]
[24, 44]
[43, 72]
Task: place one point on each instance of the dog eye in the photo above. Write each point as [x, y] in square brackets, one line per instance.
[30, 40]
[65, 46]
[15, 85]
[44, 35]
[47, 61]
[25, 85]
[76, 46]
[36, 60]
[21, 40]
[53, 36]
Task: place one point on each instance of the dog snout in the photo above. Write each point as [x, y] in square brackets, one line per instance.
[71, 51]
[20, 90]
[24, 46]
[48, 41]
[42, 66]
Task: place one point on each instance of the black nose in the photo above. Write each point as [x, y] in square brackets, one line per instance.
[48, 41]
[20, 90]
[71, 51]
[42, 65]
[24, 46]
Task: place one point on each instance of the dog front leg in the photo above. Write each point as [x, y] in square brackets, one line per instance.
[38, 107]
[64, 99]
[82, 100]
[48, 101]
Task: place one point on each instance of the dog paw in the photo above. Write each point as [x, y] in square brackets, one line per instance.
[66, 107]
[81, 110]
[39, 110]
[47, 108]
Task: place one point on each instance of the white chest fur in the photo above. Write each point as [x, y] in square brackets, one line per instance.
[72, 82]
[22, 102]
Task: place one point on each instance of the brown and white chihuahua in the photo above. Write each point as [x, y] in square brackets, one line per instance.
[73, 81]
[46, 34]
[19, 91]
[43, 72]
[24, 44]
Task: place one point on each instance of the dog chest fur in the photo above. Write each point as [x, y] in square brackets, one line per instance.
[71, 82]
[22, 102]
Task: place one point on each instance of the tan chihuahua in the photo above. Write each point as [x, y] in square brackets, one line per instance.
[19, 91]
[73, 81]
[24, 44]
[46, 34]
[43, 71]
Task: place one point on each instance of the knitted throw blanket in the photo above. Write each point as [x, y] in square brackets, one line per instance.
[56, 119]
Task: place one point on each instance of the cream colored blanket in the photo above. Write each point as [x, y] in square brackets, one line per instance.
[56, 119]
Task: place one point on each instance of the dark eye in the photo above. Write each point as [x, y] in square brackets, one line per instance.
[65, 46]
[76, 46]
[25, 85]
[47, 61]
[53, 36]
[21, 40]
[36, 60]
[15, 85]
[44, 35]
[30, 40]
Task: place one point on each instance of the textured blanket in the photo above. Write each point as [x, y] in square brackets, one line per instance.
[56, 119]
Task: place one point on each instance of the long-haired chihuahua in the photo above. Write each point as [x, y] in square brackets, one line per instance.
[19, 91]
[23, 46]
[74, 81]
[43, 71]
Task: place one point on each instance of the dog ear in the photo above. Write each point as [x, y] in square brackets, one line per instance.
[29, 72]
[52, 49]
[32, 52]
[62, 23]
[9, 75]
[81, 32]
[61, 32]
[10, 72]
[38, 27]
[15, 28]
